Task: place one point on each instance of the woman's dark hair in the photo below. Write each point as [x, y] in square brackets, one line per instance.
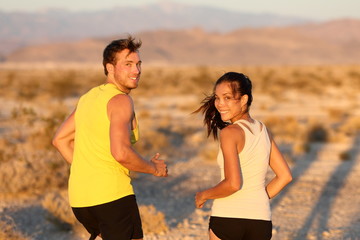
[116, 46]
[240, 84]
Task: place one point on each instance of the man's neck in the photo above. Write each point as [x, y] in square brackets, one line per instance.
[118, 86]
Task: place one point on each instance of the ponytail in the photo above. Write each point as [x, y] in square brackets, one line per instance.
[212, 118]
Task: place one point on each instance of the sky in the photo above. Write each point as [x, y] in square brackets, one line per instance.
[313, 9]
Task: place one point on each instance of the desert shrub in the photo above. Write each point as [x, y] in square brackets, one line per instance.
[285, 129]
[89, 79]
[176, 80]
[202, 78]
[26, 116]
[300, 147]
[152, 141]
[57, 204]
[153, 221]
[209, 152]
[7, 79]
[143, 114]
[33, 172]
[354, 77]
[42, 138]
[35, 129]
[7, 150]
[336, 114]
[345, 156]
[27, 162]
[317, 133]
[351, 126]
[64, 85]
[29, 89]
[60, 212]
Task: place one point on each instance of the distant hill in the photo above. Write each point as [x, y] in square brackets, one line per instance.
[335, 42]
[19, 29]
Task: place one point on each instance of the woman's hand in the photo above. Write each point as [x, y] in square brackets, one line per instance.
[199, 200]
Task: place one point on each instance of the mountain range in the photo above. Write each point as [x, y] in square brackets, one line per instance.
[179, 34]
[55, 25]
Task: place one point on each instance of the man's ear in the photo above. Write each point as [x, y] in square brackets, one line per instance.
[110, 67]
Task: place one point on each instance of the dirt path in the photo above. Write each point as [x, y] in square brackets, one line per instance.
[322, 203]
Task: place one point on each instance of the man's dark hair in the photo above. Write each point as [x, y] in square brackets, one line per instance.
[109, 55]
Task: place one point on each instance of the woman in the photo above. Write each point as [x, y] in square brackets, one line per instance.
[241, 209]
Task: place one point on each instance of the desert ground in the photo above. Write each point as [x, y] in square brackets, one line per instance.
[313, 112]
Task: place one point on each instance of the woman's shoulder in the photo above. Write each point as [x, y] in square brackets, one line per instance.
[232, 130]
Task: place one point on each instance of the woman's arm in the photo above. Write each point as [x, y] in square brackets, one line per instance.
[232, 142]
[281, 169]
[63, 140]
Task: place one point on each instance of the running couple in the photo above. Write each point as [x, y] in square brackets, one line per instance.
[97, 138]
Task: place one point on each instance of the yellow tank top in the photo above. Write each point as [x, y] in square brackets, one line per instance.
[95, 176]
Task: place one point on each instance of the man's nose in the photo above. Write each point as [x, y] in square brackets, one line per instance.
[137, 69]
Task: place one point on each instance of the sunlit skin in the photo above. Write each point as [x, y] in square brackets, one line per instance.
[230, 107]
[125, 72]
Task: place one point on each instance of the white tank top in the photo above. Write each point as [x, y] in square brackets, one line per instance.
[251, 201]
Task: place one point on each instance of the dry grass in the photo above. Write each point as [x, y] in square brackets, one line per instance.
[153, 221]
[28, 162]
[39, 99]
[58, 205]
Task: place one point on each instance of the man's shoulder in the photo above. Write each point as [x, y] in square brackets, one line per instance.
[121, 100]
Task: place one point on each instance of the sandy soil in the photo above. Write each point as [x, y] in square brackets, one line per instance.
[323, 201]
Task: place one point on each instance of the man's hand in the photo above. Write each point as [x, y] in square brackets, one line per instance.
[160, 166]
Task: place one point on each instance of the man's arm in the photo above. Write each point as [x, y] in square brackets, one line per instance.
[63, 140]
[120, 112]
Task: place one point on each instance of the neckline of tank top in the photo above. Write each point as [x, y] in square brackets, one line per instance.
[246, 121]
[111, 85]
[251, 125]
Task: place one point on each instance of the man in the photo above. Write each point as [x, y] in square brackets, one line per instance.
[97, 139]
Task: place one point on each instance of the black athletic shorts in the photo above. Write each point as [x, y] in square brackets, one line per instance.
[116, 220]
[240, 228]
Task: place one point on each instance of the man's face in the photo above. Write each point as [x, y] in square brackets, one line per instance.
[127, 70]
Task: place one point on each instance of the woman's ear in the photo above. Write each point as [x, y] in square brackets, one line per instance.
[244, 100]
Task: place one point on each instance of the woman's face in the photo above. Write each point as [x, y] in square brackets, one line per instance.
[230, 107]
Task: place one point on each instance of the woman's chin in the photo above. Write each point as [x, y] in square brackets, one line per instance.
[225, 119]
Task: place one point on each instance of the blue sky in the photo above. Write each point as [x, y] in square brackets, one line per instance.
[314, 9]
